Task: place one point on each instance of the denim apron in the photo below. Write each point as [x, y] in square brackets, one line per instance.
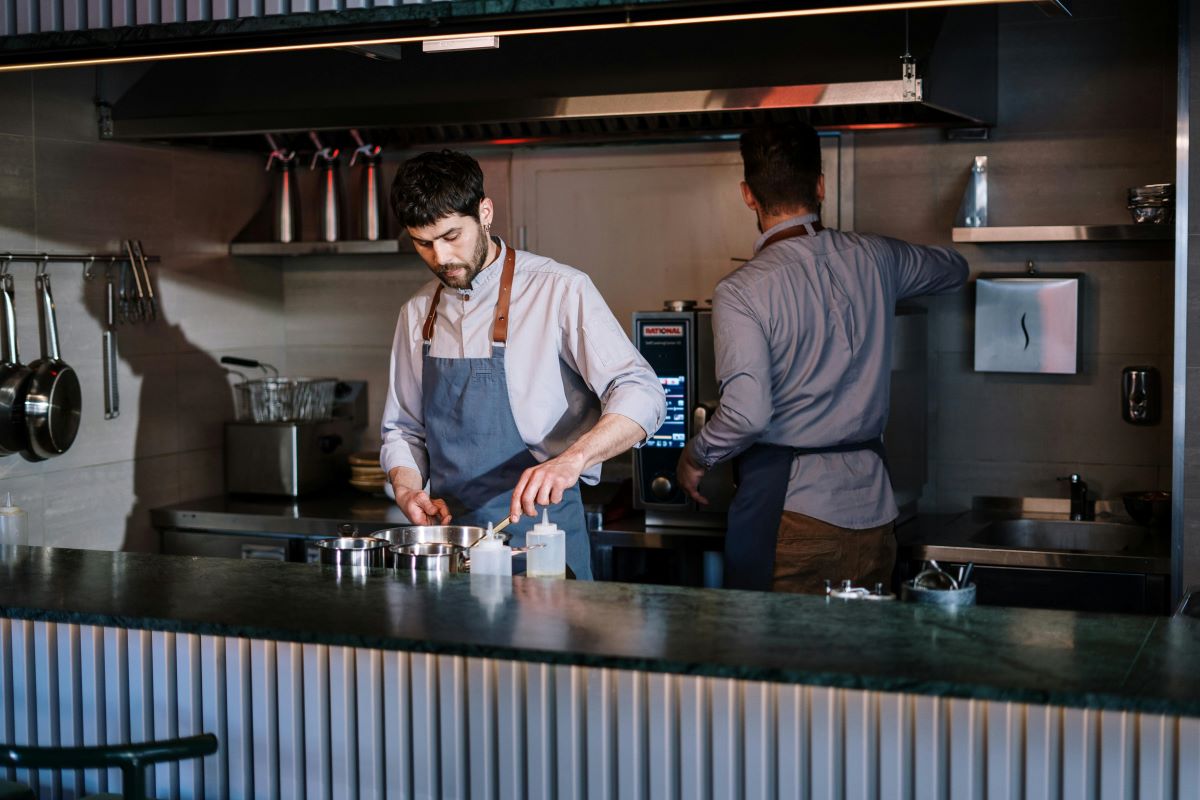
[476, 453]
[762, 474]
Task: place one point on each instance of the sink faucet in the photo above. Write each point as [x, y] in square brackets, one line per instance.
[1079, 497]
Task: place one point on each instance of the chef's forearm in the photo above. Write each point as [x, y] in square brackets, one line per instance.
[612, 435]
[405, 478]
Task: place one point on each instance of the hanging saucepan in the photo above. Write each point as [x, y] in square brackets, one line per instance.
[53, 402]
[14, 376]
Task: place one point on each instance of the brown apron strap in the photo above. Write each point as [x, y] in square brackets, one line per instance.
[791, 233]
[500, 323]
[427, 328]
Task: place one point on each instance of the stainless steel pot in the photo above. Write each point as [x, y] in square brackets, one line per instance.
[353, 551]
[53, 401]
[460, 535]
[432, 557]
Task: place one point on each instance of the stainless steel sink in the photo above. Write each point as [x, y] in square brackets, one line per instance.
[1053, 534]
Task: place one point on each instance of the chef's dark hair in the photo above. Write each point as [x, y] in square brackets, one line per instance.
[437, 184]
[782, 164]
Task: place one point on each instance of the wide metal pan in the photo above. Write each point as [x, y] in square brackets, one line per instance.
[53, 401]
[458, 535]
[14, 376]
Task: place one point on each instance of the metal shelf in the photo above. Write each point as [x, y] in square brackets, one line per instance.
[1066, 233]
[345, 248]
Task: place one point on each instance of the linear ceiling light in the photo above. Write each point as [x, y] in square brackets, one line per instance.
[899, 5]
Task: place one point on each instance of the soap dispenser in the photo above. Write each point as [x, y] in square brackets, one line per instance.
[491, 556]
[547, 550]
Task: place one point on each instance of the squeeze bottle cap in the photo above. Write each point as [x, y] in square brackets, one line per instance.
[545, 526]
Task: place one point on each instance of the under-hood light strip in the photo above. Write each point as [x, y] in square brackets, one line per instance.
[899, 5]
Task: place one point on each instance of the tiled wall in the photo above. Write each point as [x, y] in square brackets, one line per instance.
[63, 190]
[1086, 109]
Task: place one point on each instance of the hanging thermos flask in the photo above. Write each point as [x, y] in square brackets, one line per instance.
[285, 194]
[329, 212]
[370, 197]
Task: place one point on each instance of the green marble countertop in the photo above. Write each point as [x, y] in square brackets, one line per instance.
[1034, 656]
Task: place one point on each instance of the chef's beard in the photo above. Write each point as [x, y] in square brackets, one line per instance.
[476, 265]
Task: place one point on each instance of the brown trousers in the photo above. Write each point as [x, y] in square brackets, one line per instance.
[808, 552]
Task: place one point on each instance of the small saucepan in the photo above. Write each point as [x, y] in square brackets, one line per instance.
[53, 400]
[14, 376]
[440, 557]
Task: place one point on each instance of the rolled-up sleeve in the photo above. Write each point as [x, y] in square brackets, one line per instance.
[743, 365]
[403, 428]
[609, 363]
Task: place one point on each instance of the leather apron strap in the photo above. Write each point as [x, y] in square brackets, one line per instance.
[499, 317]
[806, 229]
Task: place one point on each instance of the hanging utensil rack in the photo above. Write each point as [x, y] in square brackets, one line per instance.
[88, 260]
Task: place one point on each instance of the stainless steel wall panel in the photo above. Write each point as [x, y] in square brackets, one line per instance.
[570, 731]
[70, 701]
[896, 726]
[317, 747]
[1043, 752]
[289, 683]
[224, 9]
[759, 738]
[695, 733]
[1081, 767]
[249, 8]
[540, 738]
[511, 730]
[1156, 764]
[427, 769]
[1189, 758]
[146, 12]
[93, 670]
[8, 17]
[826, 761]
[74, 15]
[725, 697]
[663, 735]
[1117, 765]
[397, 725]
[1005, 751]
[214, 714]
[239, 718]
[24, 701]
[369, 693]
[793, 744]
[99, 14]
[967, 757]
[601, 735]
[165, 777]
[452, 724]
[45, 670]
[481, 727]
[632, 767]
[124, 12]
[189, 711]
[861, 746]
[931, 768]
[116, 693]
[27, 17]
[343, 724]
[264, 711]
[50, 15]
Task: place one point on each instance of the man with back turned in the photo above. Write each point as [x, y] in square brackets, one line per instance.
[803, 349]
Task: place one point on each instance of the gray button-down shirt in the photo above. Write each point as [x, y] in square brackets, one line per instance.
[803, 349]
[568, 360]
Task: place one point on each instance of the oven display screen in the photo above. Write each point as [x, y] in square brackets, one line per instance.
[673, 432]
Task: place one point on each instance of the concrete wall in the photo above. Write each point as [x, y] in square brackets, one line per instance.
[63, 190]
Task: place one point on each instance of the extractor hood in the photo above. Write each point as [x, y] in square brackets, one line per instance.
[847, 73]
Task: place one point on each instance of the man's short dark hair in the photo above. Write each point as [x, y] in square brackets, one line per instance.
[782, 164]
[433, 185]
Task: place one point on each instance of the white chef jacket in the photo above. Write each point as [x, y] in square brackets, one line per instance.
[567, 360]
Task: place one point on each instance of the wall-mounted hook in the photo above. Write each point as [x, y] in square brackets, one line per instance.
[8, 259]
[45, 262]
[1029, 267]
[88, 263]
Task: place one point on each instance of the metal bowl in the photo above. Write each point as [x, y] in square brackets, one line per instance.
[1152, 215]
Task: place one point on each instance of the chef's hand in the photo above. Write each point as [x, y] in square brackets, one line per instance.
[421, 509]
[689, 474]
[544, 485]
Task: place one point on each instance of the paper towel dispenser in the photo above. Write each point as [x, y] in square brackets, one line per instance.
[1027, 323]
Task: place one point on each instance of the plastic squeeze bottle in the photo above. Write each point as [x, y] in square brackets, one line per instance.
[12, 523]
[549, 560]
[491, 556]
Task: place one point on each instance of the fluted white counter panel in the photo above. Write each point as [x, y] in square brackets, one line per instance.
[317, 721]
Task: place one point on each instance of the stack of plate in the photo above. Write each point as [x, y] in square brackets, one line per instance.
[365, 472]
